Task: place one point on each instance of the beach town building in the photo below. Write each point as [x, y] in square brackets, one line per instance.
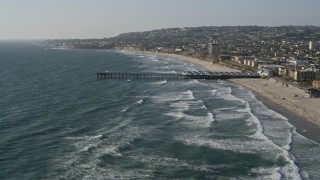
[304, 75]
[242, 59]
[283, 71]
[210, 49]
[313, 45]
[269, 69]
[298, 62]
[178, 50]
[215, 48]
[225, 57]
[255, 63]
[316, 84]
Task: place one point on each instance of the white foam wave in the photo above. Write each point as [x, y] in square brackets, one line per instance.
[290, 170]
[188, 95]
[111, 150]
[139, 56]
[227, 115]
[180, 106]
[199, 121]
[258, 142]
[87, 160]
[213, 92]
[176, 115]
[86, 137]
[140, 101]
[125, 109]
[225, 94]
[266, 173]
[172, 97]
[165, 98]
[156, 161]
[154, 60]
[160, 82]
[83, 143]
[192, 82]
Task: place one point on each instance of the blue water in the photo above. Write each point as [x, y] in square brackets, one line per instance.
[57, 121]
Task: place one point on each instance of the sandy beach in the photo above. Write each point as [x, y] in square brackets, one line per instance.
[294, 103]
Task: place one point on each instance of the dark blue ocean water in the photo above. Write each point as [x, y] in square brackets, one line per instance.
[57, 121]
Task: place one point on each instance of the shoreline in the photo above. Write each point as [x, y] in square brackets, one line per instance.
[303, 126]
[291, 102]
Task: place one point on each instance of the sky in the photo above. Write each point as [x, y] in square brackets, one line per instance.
[60, 19]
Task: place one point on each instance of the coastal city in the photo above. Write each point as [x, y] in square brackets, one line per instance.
[122, 89]
[289, 52]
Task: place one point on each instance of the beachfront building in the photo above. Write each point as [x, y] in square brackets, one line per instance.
[215, 48]
[298, 62]
[304, 75]
[177, 50]
[316, 84]
[313, 45]
[254, 62]
[225, 57]
[238, 59]
[283, 71]
[269, 69]
[210, 49]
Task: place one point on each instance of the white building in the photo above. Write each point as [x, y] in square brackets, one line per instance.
[215, 48]
[297, 62]
[210, 49]
[313, 45]
[269, 69]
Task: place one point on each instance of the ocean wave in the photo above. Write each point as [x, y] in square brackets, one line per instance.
[172, 97]
[153, 59]
[140, 101]
[291, 170]
[246, 147]
[176, 115]
[86, 137]
[198, 121]
[125, 109]
[213, 92]
[188, 95]
[160, 82]
[266, 173]
[87, 161]
[170, 163]
[226, 94]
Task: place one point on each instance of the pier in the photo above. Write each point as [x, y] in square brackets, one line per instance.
[184, 75]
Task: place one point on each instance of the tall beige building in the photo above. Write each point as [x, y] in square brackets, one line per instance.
[313, 45]
[213, 49]
[210, 49]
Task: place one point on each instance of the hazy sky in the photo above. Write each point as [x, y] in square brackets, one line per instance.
[43, 19]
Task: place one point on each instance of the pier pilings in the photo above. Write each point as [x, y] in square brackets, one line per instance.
[185, 75]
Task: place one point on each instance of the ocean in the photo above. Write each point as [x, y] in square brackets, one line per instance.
[57, 121]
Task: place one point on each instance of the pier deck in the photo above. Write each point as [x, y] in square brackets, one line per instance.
[185, 75]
